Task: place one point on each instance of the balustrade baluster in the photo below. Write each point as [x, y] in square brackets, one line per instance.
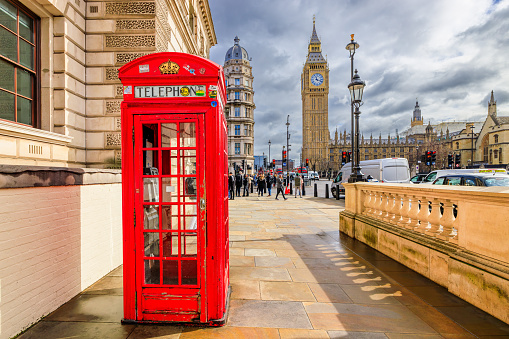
[423, 215]
[387, 206]
[367, 199]
[446, 221]
[381, 203]
[434, 218]
[395, 210]
[413, 223]
[405, 211]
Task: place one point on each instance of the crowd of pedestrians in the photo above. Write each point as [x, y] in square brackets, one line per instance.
[264, 182]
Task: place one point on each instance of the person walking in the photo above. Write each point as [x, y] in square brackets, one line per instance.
[280, 187]
[246, 182]
[268, 183]
[238, 183]
[261, 185]
[231, 186]
[298, 185]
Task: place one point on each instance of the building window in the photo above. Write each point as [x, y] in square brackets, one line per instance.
[491, 156]
[237, 112]
[366, 157]
[237, 148]
[245, 96]
[457, 145]
[248, 113]
[237, 129]
[393, 150]
[18, 72]
[375, 150]
[247, 83]
[237, 81]
[246, 130]
[237, 95]
[496, 138]
[227, 112]
[500, 155]
[495, 154]
[246, 149]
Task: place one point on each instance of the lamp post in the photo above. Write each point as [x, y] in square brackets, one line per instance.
[263, 162]
[417, 161]
[356, 88]
[269, 150]
[472, 146]
[287, 145]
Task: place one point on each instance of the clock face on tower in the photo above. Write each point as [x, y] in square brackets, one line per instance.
[317, 79]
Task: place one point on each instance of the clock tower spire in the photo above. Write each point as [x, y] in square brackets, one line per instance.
[315, 107]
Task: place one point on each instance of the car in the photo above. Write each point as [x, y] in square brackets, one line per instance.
[313, 175]
[474, 179]
[416, 179]
[432, 176]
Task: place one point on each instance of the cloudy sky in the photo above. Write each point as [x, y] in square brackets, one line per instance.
[449, 54]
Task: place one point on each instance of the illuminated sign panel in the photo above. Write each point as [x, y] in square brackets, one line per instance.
[181, 91]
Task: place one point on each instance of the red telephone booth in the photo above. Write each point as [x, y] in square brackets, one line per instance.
[174, 190]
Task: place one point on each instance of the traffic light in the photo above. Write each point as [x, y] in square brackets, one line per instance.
[243, 165]
[307, 162]
[428, 158]
[457, 160]
[450, 161]
[433, 157]
[284, 156]
[349, 156]
[343, 158]
[273, 163]
[264, 162]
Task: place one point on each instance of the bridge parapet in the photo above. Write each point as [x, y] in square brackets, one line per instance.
[455, 236]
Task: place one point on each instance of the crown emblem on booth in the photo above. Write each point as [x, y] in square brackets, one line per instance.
[169, 67]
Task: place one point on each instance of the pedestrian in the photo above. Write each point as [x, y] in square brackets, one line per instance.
[298, 185]
[238, 183]
[261, 185]
[280, 187]
[245, 182]
[268, 183]
[231, 186]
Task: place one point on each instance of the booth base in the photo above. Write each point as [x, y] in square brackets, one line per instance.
[212, 323]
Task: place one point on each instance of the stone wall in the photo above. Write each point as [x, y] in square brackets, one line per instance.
[61, 231]
[455, 236]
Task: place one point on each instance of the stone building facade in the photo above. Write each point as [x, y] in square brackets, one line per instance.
[239, 109]
[315, 105]
[486, 143]
[73, 93]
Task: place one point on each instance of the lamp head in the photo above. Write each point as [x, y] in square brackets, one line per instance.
[356, 88]
[353, 45]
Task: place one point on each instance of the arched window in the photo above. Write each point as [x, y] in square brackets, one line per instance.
[457, 145]
[496, 138]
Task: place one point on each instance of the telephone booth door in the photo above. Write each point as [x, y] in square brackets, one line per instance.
[170, 251]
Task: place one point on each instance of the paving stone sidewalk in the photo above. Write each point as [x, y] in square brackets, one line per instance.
[293, 276]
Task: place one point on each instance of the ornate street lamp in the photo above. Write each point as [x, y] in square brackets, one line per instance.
[269, 151]
[356, 88]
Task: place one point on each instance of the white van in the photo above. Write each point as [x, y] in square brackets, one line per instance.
[389, 170]
[432, 176]
[313, 175]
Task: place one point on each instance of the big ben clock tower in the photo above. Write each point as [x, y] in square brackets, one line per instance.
[315, 106]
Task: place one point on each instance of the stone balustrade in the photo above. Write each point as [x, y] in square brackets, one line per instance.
[456, 236]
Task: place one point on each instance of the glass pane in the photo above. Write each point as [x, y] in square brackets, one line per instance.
[152, 272]
[188, 158]
[169, 135]
[24, 111]
[150, 190]
[150, 217]
[189, 244]
[170, 272]
[188, 134]
[8, 45]
[170, 191]
[189, 189]
[8, 15]
[151, 244]
[26, 26]
[189, 272]
[6, 106]
[6, 76]
[189, 217]
[24, 84]
[150, 162]
[170, 217]
[170, 244]
[150, 136]
[169, 165]
[26, 54]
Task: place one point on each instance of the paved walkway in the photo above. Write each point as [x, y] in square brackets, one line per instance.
[293, 277]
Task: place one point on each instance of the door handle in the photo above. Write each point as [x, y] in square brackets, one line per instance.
[202, 204]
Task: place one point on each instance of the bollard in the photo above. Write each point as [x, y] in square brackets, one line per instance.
[327, 191]
[303, 189]
[337, 192]
[316, 190]
[291, 188]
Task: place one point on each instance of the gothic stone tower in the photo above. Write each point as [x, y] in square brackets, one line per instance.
[315, 107]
